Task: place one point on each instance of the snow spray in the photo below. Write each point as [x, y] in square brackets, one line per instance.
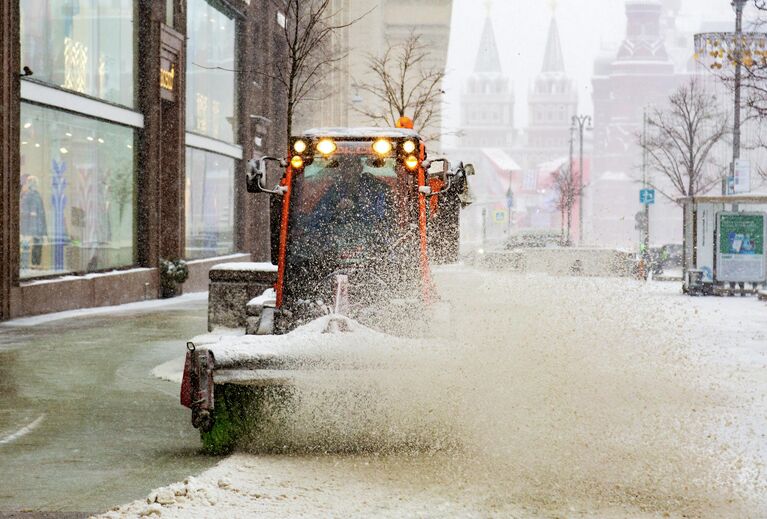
[553, 393]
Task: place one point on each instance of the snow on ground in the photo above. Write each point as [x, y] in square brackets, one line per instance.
[246, 266]
[140, 306]
[555, 397]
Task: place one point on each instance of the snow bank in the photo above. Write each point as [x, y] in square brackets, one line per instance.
[268, 487]
[140, 306]
[246, 266]
[268, 297]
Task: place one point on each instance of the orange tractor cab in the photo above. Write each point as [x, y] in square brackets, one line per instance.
[361, 211]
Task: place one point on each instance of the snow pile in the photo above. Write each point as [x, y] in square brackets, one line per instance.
[194, 497]
[246, 266]
[329, 341]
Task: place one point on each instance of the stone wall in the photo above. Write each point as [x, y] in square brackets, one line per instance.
[232, 285]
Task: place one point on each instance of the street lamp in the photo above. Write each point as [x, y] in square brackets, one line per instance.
[581, 121]
[722, 49]
[738, 6]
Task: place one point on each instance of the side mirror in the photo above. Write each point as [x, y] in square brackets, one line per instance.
[445, 166]
[256, 176]
[468, 170]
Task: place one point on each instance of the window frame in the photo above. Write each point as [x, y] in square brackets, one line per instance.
[41, 93]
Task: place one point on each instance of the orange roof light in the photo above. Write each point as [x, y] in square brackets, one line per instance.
[405, 122]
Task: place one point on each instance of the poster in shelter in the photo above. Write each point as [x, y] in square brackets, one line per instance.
[740, 252]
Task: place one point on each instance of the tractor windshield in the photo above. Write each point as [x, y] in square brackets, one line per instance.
[346, 210]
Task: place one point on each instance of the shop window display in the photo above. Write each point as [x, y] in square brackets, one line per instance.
[211, 98]
[82, 46]
[209, 202]
[76, 206]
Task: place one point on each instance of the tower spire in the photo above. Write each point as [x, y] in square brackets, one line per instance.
[488, 60]
[553, 60]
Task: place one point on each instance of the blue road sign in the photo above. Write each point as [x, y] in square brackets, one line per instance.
[647, 196]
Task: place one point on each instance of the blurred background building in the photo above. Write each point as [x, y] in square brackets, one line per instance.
[381, 23]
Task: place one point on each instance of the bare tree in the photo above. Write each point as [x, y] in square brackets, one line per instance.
[568, 186]
[755, 75]
[680, 139]
[307, 34]
[404, 86]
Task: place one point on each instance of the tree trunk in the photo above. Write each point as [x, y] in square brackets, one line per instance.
[562, 226]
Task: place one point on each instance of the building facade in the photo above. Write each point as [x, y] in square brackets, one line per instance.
[487, 99]
[552, 103]
[379, 23]
[126, 127]
[515, 190]
[640, 75]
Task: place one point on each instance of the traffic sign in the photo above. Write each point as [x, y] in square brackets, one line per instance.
[500, 216]
[742, 181]
[647, 196]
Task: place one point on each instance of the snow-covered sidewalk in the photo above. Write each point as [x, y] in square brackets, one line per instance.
[567, 398]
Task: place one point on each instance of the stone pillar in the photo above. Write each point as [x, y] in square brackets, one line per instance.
[255, 107]
[10, 68]
[161, 151]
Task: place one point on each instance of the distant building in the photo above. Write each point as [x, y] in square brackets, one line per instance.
[552, 103]
[639, 75]
[521, 158]
[380, 23]
[487, 99]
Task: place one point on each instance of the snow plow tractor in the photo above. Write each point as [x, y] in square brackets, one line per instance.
[362, 211]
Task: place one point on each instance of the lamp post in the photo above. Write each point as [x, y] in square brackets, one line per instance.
[580, 121]
[738, 6]
[718, 50]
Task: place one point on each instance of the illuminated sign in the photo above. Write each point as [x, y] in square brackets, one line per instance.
[171, 48]
[168, 78]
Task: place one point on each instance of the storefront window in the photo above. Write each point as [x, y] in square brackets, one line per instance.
[77, 196]
[81, 45]
[209, 202]
[210, 80]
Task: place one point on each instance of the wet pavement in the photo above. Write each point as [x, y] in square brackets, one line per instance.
[84, 425]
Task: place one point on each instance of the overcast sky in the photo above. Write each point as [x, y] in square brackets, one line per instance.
[521, 27]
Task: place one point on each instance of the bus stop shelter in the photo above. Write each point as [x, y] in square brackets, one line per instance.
[724, 247]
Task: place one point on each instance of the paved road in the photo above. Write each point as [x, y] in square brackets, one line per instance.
[83, 424]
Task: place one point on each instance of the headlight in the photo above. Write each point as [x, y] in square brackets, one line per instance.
[382, 146]
[408, 147]
[411, 162]
[297, 162]
[326, 146]
[299, 146]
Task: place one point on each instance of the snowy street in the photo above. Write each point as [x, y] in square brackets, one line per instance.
[557, 397]
[83, 424]
[383, 258]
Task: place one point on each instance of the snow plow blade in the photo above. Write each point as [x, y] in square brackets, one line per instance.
[228, 383]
